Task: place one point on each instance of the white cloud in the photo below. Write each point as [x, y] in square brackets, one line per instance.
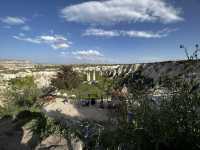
[55, 41]
[101, 33]
[13, 20]
[91, 57]
[54, 38]
[147, 34]
[48, 38]
[26, 28]
[60, 46]
[114, 11]
[129, 33]
[88, 55]
[27, 39]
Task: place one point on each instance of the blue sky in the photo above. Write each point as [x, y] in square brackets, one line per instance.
[104, 31]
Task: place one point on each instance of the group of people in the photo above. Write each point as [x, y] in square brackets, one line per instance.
[117, 96]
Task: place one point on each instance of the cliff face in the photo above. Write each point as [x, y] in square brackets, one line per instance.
[42, 78]
[184, 69]
[10, 69]
[44, 74]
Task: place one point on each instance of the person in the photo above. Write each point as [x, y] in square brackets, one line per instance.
[130, 117]
[124, 91]
[87, 103]
[65, 100]
[115, 98]
[101, 104]
[93, 101]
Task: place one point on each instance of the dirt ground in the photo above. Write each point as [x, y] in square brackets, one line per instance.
[59, 108]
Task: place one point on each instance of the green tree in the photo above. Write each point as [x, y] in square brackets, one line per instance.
[66, 78]
[22, 94]
[22, 83]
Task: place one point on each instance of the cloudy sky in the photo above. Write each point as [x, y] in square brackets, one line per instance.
[101, 31]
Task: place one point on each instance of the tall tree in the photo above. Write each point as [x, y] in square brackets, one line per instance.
[66, 78]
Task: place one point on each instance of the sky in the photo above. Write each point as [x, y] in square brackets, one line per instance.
[101, 31]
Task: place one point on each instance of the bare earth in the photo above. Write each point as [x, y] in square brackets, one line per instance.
[58, 109]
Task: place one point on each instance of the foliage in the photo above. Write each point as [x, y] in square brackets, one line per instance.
[136, 82]
[105, 84]
[169, 122]
[68, 129]
[174, 120]
[96, 90]
[87, 91]
[166, 122]
[6, 110]
[66, 78]
[22, 94]
[23, 83]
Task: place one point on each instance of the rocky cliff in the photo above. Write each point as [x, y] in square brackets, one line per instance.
[184, 69]
[44, 73]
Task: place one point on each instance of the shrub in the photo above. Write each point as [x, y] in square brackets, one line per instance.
[22, 94]
[169, 122]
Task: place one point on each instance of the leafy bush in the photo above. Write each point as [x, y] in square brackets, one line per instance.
[136, 82]
[23, 83]
[22, 94]
[168, 122]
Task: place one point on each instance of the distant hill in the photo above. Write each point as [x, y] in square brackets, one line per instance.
[15, 64]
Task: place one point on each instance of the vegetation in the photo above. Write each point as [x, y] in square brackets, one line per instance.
[192, 56]
[66, 78]
[22, 83]
[136, 82]
[95, 90]
[73, 83]
[167, 122]
[171, 122]
[85, 131]
[164, 123]
[22, 94]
